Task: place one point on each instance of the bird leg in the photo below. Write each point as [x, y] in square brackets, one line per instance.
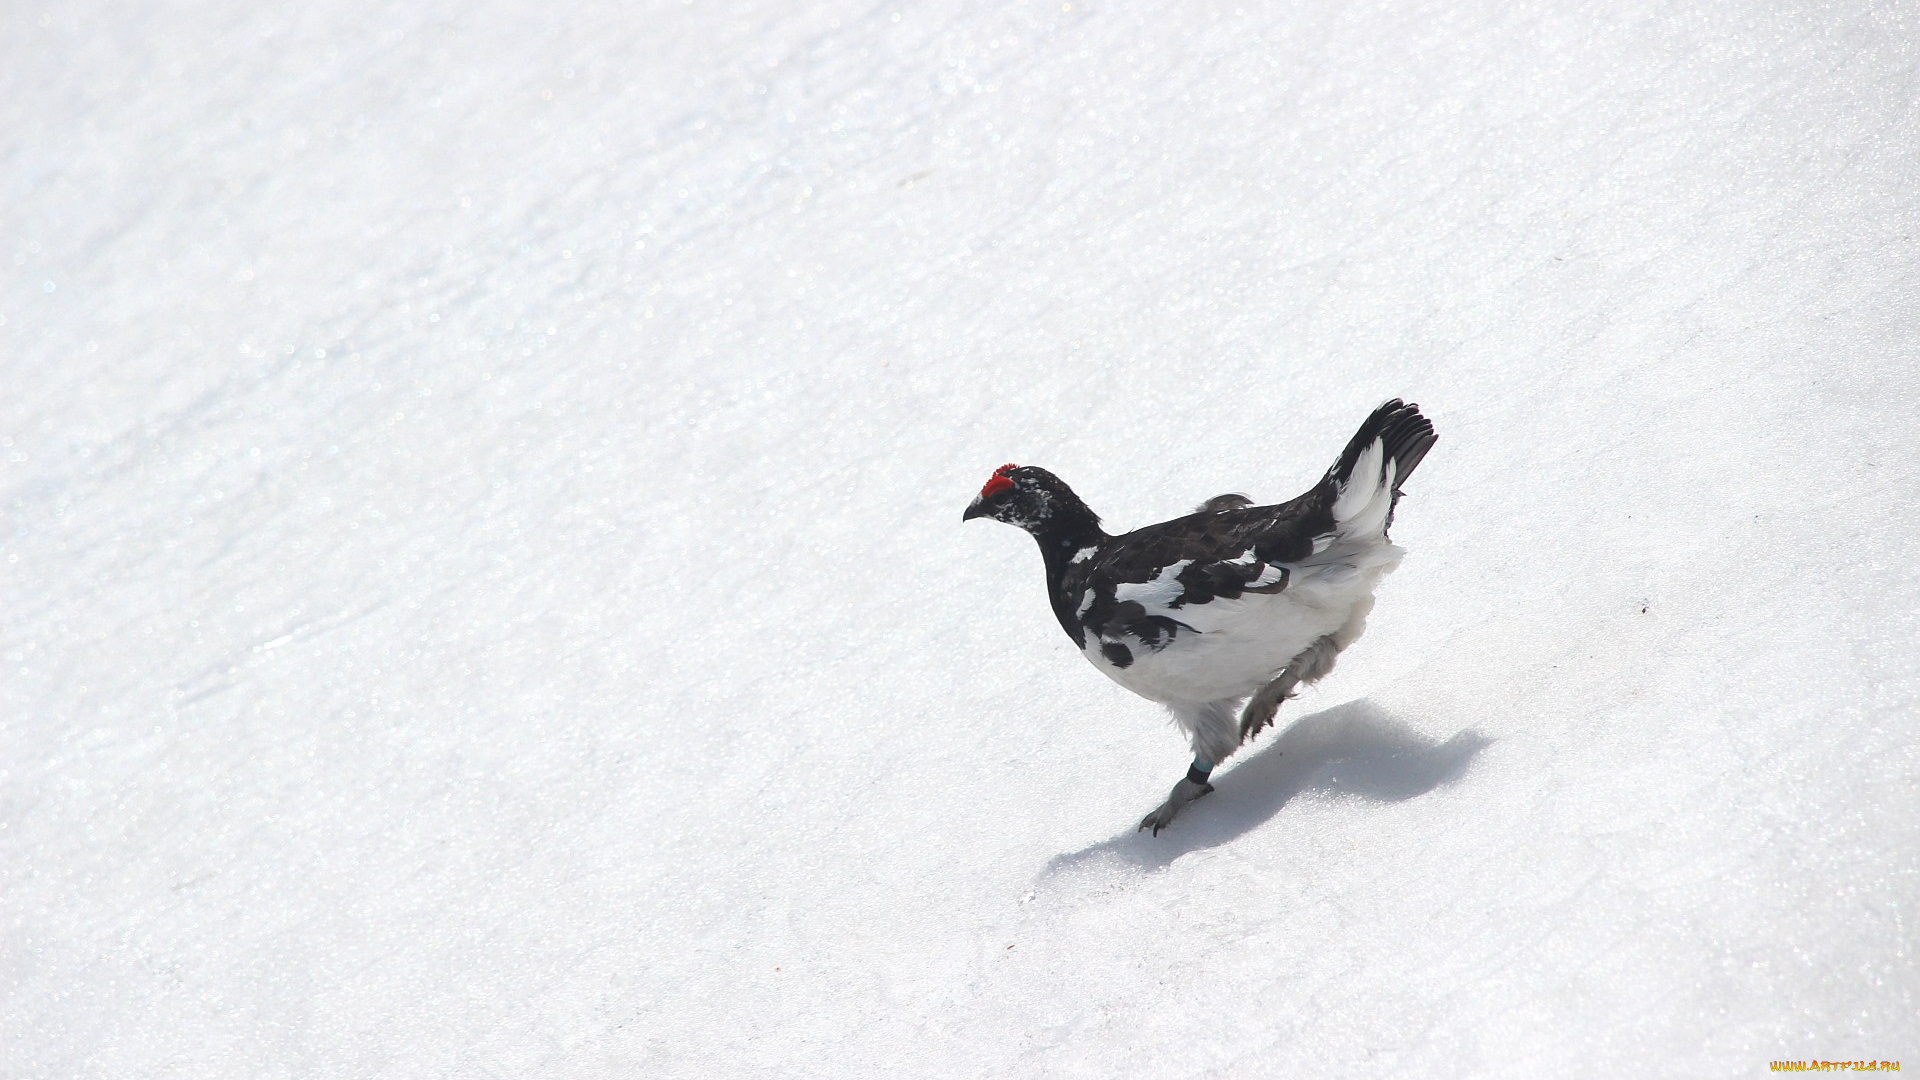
[1191, 786]
[1312, 665]
[1262, 705]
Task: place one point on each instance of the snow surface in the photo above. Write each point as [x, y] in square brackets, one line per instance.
[482, 587]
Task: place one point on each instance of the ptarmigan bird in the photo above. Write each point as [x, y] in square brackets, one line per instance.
[1233, 603]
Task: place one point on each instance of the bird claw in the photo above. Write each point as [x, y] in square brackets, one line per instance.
[1160, 818]
[1183, 793]
[1258, 713]
[1253, 726]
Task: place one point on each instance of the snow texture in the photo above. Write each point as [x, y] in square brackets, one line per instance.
[482, 590]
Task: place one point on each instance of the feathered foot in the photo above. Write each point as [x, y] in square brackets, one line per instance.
[1260, 707]
[1183, 793]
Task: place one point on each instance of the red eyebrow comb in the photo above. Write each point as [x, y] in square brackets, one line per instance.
[998, 482]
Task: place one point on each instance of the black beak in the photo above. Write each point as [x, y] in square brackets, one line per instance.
[978, 509]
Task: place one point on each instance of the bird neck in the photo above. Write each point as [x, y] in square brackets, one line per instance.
[1068, 528]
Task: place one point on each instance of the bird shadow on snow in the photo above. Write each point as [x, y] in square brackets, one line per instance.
[1356, 750]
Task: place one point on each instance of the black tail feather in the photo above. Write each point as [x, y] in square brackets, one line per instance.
[1408, 436]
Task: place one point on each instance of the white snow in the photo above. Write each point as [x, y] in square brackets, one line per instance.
[482, 587]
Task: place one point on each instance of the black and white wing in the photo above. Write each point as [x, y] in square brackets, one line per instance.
[1144, 589]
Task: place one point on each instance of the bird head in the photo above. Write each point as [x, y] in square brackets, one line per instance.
[1018, 495]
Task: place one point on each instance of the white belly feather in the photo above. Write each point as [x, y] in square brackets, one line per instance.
[1237, 646]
